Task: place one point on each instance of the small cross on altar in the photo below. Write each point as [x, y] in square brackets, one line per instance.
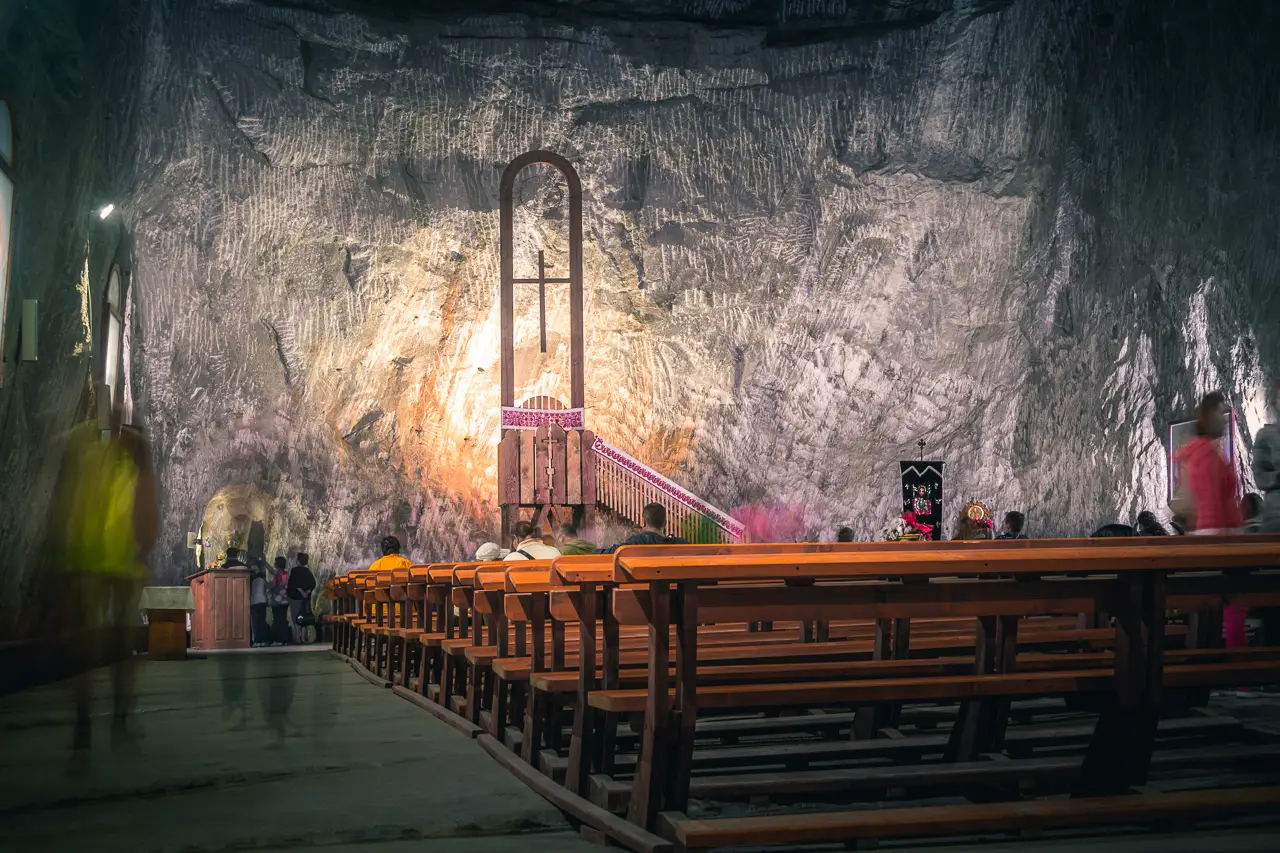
[551, 471]
[921, 443]
[542, 281]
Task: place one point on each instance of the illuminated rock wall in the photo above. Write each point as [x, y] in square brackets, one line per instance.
[1027, 232]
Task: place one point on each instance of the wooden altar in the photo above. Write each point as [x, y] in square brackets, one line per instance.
[221, 616]
[546, 464]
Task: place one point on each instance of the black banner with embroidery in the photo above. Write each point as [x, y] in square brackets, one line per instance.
[922, 493]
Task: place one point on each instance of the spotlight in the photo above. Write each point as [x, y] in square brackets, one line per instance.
[106, 211]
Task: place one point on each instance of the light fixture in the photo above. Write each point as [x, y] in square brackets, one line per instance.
[28, 350]
[106, 211]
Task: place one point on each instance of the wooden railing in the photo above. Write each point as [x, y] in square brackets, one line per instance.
[625, 485]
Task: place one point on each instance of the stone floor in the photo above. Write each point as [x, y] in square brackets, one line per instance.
[281, 749]
[259, 751]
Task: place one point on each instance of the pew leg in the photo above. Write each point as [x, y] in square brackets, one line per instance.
[409, 662]
[425, 664]
[580, 742]
[555, 723]
[531, 741]
[901, 651]
[608, 743]
[686, 710]
[647, 786]
[1119, 754]
[870, 719]
[581, 745]
[980, 726]
[497, 707]
[447, 677]
[473, 692]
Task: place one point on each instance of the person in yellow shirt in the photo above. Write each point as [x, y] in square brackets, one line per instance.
[391, 557]
[108, 517]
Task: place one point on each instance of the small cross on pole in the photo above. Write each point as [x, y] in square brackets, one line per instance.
[550, 443]
[542, 299]
[921, 444]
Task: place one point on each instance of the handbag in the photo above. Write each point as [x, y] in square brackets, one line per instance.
[306, 619]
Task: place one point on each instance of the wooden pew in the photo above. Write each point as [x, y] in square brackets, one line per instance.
[583, 584]
[1135, 591]
[933, 821]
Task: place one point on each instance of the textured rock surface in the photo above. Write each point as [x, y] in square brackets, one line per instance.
[57, 72]
[1027, 232]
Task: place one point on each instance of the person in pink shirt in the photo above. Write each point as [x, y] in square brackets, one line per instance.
[1209, 494]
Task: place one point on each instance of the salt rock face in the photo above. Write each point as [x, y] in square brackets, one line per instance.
[1029, 233]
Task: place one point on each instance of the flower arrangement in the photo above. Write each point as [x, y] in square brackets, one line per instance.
[906, 527]
[895, 530]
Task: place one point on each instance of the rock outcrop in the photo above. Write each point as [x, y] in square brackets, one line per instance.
[1030, 233]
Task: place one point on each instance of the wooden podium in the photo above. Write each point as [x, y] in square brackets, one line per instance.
[221, 616]
[166, 608]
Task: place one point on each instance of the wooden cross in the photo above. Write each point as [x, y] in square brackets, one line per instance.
[550, 443]
[542, 281]
[921, 443]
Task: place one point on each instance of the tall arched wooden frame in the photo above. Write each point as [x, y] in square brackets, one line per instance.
[576, 356]
[546, 463]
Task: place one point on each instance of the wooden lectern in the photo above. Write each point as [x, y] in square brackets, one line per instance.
[221, 616]
[166, 608]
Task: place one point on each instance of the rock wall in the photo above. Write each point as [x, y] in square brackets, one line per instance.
[1030, 232]
[60, 75]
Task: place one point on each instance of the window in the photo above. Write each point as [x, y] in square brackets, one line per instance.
[6, 213]
[114, 324]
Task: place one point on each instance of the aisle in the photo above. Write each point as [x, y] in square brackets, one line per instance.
[352, 767]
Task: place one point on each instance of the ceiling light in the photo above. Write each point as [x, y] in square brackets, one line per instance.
[106, 211]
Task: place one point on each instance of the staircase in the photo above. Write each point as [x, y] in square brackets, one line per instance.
[626, 485]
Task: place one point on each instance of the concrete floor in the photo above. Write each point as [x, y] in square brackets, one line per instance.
[350, 767]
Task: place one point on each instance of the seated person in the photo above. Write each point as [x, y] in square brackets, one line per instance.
[391, 557]
[845, 534]
[1014, 522]
[655, 523]
[1251, 512]
[572, 543]
[529, 544]
[489, 552]
[1149, 525]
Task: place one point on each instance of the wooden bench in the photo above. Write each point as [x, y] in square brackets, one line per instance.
[856, 627]
[934, 821]
[585, 578]
[1133, 587]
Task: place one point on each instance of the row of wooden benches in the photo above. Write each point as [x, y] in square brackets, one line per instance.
[764, 631]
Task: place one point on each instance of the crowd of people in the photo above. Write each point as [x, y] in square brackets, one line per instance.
[1206, 504]
[529, 543]
[283, 591]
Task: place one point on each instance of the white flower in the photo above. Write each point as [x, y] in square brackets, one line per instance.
[894, 530]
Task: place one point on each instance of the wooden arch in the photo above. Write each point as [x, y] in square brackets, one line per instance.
[574, 279]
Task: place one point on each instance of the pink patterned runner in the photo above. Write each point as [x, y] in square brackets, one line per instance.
[514, 417]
